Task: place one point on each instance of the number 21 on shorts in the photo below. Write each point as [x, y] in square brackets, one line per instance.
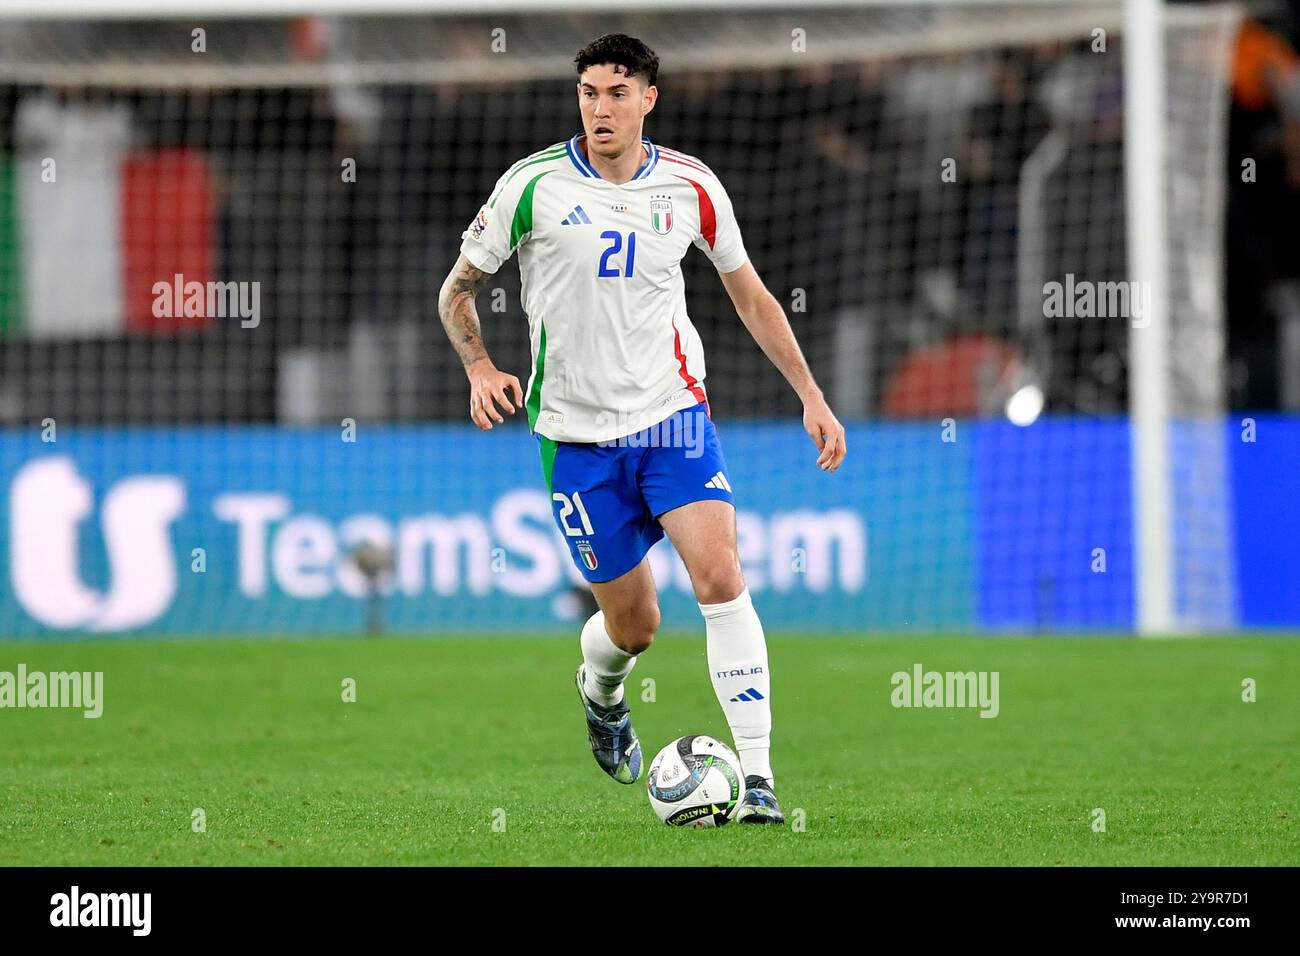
[567, 508]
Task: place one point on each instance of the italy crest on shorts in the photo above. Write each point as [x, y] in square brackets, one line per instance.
[661, 216]
[588, 555]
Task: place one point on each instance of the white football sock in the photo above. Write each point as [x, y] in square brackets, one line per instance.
[605, 663]
[737, 655]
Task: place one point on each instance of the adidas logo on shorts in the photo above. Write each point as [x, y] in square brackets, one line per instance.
[718, 481]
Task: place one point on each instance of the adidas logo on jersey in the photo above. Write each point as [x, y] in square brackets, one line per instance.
[576, 218]
[718, 481]
[748, 693]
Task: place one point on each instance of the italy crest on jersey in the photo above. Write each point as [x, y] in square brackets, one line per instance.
[588, 555]
[661, 216]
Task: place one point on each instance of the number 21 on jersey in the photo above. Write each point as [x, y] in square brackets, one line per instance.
[608, 270]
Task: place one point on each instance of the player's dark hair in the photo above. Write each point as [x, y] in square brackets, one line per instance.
[619, 49]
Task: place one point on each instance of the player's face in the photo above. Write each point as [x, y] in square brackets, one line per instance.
[613, 106]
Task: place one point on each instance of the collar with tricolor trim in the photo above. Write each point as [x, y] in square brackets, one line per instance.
[584, 166]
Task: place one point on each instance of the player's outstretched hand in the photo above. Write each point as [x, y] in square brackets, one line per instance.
[489, 387]
[826, 431]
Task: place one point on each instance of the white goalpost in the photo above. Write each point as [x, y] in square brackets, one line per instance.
[1144, 167]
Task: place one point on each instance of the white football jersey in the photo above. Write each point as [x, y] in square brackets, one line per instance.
[613, 348]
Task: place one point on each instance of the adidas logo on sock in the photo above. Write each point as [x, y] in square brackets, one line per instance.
[748, 693]
[718, 481]
[576, 218]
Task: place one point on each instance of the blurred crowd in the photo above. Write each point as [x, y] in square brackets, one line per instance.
[1263, 230]
[907, 210]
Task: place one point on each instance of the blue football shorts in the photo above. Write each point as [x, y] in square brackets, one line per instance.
[607, 496]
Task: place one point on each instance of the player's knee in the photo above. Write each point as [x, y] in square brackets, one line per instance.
[718, 584]
[633, 629]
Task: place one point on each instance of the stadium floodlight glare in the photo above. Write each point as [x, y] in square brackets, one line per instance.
[1025, 405]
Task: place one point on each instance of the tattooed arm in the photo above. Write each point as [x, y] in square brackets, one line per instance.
[457, 311]
[487, 384]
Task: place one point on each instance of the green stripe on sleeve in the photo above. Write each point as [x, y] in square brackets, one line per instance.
[544, 157]
[522, 224]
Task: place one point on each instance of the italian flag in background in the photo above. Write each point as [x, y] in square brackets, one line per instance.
[11, 286]
[79, 255]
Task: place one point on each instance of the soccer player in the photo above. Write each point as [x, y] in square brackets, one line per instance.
[616, 396]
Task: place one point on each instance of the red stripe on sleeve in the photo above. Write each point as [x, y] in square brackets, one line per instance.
[664, 157]
[708, 218]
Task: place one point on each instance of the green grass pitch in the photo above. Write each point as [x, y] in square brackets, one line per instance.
[451, 734]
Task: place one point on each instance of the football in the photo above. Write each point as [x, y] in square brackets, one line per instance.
[695, 781]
